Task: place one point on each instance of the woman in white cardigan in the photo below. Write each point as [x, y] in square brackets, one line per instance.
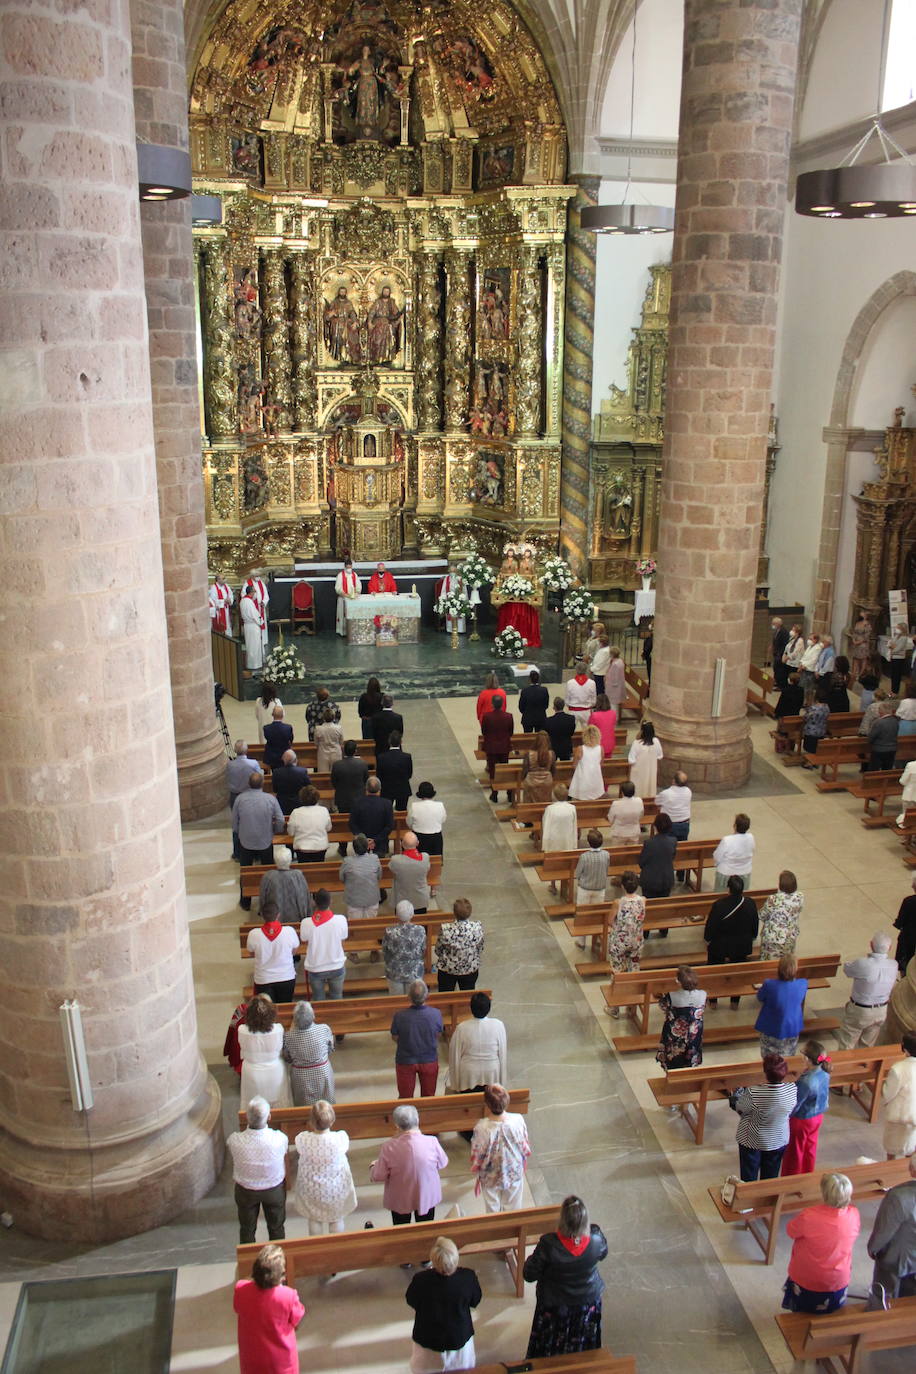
[898, 1094]
[645, 752]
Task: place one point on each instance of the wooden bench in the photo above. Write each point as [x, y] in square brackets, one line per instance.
[637, 692]
[373, 1014]
[693, 1089]
[636, 994]
[585, 1362]
[840, 1340]
[761, 685]
[325, 875]
[559, 866]
[759, 1206]
[589, 813]
[833, 753]
[306, 752]
[340, 832]
[385, 1246]
[510, 777]
[874, 789]
[686, 909]
[373, 1120]
[840, 723]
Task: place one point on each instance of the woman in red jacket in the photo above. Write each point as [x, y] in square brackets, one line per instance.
[497, 727]
[268, 1314]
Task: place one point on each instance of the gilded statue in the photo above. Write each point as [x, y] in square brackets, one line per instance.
[429, 339]
[341, 329]
[384, 327]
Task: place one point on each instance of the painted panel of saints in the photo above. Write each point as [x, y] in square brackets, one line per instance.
[341, 329]
[384, 327]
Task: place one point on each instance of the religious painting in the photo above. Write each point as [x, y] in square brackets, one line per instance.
[278, 46]
[493, 310]
[386, 631]
[490, 399]
[467, 64]
[366, 86]
[495, 165]
[486, 488]
[246, 310]
[384, 326]
[341, 330]
[255, 488]
[245, 157]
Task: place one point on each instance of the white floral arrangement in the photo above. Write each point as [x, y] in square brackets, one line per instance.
[646, 567]
[455, 605]
[557, 575]
[476, 572]
[578, 605]
[283, 665]
[509, 643]
[517, 588]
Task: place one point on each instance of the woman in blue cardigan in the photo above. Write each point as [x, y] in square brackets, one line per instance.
[782, 1009]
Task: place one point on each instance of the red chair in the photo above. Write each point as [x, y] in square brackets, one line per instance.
[303, 609]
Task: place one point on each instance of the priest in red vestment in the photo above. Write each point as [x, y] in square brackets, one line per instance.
[382, 581]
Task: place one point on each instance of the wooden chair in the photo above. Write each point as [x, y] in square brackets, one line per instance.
[303, 605]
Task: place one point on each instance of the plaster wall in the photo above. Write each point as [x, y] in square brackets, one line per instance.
[843, 83]
[659, 52]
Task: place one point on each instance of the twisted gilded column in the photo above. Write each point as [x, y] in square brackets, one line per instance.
[528, 371]
[578, 340]
[429, 344]
[220, 390]
[735, 130]
[279, 364]
[304, 341]
[457, 337]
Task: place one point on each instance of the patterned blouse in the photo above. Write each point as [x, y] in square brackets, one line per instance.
[459, 946]
[404, 951]
[314, 713]
[779, 923]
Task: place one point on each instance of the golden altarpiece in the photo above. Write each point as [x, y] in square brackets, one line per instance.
[382, 302]
[886, 527]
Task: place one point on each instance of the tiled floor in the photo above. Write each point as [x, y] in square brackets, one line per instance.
[594, 1125]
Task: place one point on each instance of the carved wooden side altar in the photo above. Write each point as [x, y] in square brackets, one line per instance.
[886, 527]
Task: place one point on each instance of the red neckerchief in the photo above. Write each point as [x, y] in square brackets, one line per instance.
[575, 1247]
[411, 853]
[582, 678]
[320, 917]
[272, 929]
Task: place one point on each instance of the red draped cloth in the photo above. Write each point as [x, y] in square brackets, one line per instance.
[523, 618]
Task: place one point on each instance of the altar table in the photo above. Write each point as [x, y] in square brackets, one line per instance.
[404, 610]
[522, 617]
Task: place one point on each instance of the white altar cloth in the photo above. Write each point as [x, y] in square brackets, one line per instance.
[645, 605]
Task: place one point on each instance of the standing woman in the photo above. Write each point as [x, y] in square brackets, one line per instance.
[899, 650]
[264, 706]
[615, 684]
[656, 860]
[813, 1100]
[587, 783]
[898, 1094]
[442, 1296]
[369, 705]
[329, 740]
[731, 928]
[261, 1045]
[906, 711]
[559, 825]
[268, 1313]
[782, 1009]
[564, 1263]
[499, 1152]
[308, 826]
[625, 937]
[645, 752]
[307, 1048]
[763, 1131]
[491, 688]
[426, 817]
[604, 718]
[861, 645]
[682, 1033]
[539, 765]
[779, 918]
[324, 1192]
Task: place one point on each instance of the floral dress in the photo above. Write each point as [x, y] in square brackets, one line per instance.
[625, 938]
[779, 917]
[682, 1033]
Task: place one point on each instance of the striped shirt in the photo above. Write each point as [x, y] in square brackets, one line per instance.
[591, 870]
[764, 1110]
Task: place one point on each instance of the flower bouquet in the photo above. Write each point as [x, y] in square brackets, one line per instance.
[517, 588]
[557, 575]
[509, 643]
[283, 664]
[455, 605]
[646, 567]
[578, 605]
[476, 572]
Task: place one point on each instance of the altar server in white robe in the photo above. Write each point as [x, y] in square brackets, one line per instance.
[252, 628]
[346, 585]
[452, 583]
[221, 600]
[262, 596]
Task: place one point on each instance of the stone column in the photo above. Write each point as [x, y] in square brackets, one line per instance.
[733, 164]
[578, 338]
[457, 338]
[161, 114]
[92, 903]
[530, 334]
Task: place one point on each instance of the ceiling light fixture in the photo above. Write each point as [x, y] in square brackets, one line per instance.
[163, 173]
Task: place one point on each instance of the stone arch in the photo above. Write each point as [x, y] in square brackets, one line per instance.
[836, 437]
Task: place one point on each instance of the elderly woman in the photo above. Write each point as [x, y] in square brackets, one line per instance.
[821, 1259]
[261, 1047]
[323, 1192]
[409, 1166]
[763, 1131]
[779, 918]
[645, 752]
[682, 1032]
[309, 825]
[499, 1152]
[426, 817]
[442, 1297]
[458, 949]
[564, 1263]
[625, 937]
[268, 1313]
[477, 1051]
[782, 1009]
[404, 950]
[539, 765]
[307, 1048]
[625, 816]
[329, 739]
[286, 886]
[898, 1096]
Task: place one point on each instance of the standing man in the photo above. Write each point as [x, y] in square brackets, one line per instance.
[394, 770]
[779, 642]
[496, 727]
[892, 1243]
[347, 586]
[278, 739]
[675, 802]
[417, 1030]
[256, 818]
[259, 1172]
[383, 722]
[873, 977]
[323, 934]
[533, 701]
[238, 771]
[349, 775]
[373, 816]
[288, 780]
[826, 661]
[382, 581]
[262, 596]
[222, 599]
[252, 629]
[452, 583]
[410, 872]
[561, 727]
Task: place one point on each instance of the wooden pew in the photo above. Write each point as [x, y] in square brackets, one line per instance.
[833, 753]
[522, 743]
[693, 1089]
[662, 913]
[840, 723]
[373, 1014]
[761, 685]
[373, 1120]
[307, 752]
[768, 1200]
[340, 832]
[637, 691]
[385, 1246]
[874, 790]
[559, 866]
[589, 813]
[509, 777]
[841, 1340]
[325, 875]
[636, 994]
[585, 1362]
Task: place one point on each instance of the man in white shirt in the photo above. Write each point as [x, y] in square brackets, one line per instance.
[259, 1172]
[735, 854]
[221, 600]
[873, 978]
[674, 801]
[324, 933]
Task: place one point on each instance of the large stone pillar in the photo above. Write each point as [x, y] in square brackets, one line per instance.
[161, 114]
[578, 341]
[92, 901]
[733, 164]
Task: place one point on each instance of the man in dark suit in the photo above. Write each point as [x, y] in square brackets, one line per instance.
[349, 776]
[288, 778]
[383, 723]
[372, 815]
[278, 737]
[395, 769]
[561, 727]
[533, 701]
[780, 640]
[496, 727]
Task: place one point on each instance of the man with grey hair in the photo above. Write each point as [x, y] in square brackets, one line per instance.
[410, 871]
[287, 887]
[873, 977]
[238, 771]
[259, 1172]
[416, 1030]
[289, 778]
[373, 816]
[892, 1243]
[278, 738]
[409, 1164]
[404, 950]
[256, 818]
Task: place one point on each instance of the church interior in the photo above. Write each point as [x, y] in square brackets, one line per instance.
[289, 283]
